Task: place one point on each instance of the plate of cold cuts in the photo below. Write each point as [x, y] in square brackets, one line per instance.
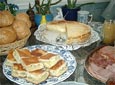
[100, 63]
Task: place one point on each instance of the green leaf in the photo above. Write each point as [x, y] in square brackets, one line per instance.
[2, 6]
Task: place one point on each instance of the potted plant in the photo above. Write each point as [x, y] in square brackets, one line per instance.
[70, 10]
[43, 13]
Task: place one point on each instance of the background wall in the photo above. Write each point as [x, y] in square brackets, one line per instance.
[96, 9]
[23, 4]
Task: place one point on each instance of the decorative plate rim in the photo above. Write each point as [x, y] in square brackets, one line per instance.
[74, 46]
[70, 59]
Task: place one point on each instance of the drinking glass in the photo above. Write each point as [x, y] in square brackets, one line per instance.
[108, 32]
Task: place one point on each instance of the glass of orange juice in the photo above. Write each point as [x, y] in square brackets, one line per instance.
[108, 32]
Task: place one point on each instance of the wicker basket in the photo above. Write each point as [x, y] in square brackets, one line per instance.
[17, 44]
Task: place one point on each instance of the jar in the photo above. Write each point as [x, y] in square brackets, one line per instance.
[108, 32]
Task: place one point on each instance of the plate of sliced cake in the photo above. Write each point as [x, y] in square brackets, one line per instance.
[70, 35]
[39, 64]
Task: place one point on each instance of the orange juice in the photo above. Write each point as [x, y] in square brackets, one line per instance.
[108, 32]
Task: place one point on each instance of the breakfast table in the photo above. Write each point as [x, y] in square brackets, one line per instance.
[80, 74]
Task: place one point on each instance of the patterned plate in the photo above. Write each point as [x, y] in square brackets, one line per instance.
[56, 39]
[66, 55]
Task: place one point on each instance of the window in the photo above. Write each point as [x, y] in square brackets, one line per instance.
[23, 4]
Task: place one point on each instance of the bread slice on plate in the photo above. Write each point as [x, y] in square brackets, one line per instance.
[18, 71]
[10, 60]
[31, 63]
[59, 68]
[37, 76]
[49, 59]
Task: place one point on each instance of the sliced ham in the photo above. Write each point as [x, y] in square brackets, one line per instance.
[102, 63]
[104, 56]
[99, 72]
[111, 68]
[108, 50]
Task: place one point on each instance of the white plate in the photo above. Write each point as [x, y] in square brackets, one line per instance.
[53, 39]
[66, 55]
[71, 83]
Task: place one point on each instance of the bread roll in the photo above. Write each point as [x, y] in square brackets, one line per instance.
[7, 35]
[21, 29]
[24, 17]
[6, 18]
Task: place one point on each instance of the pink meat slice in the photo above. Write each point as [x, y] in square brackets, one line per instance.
[102, 63]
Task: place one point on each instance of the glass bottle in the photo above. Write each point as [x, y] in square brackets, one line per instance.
[108, 32]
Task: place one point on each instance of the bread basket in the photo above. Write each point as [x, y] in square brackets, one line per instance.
[17, 44]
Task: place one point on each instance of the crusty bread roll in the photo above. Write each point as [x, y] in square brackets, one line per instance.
[6, 18]
[24, 17]
[21, 28]
[56, 26]
[7, 35]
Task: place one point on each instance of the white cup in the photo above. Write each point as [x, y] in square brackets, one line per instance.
[84, 17]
